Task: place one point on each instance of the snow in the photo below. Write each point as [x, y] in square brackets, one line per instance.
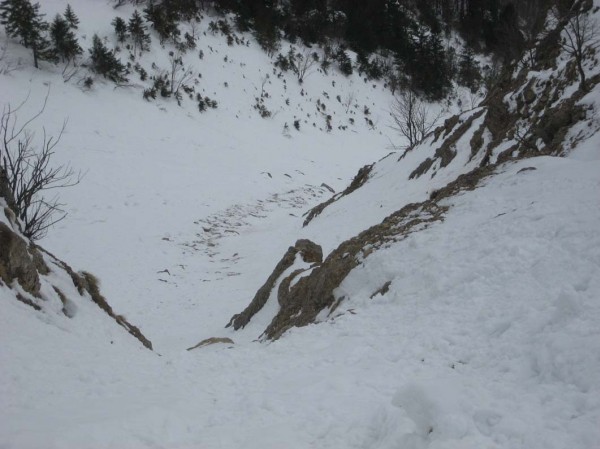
[493, 314]
[487, 338]
[368, 206]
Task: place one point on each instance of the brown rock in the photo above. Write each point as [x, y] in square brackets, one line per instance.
[212, 341]
[311, 253]
[16, 262]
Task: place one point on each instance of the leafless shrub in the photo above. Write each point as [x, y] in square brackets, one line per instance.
[29, 173]
[179, 76]
[70, 71]
[306, 62]
[523, 134]
[582, 37]
[411, 117]
[349, 100]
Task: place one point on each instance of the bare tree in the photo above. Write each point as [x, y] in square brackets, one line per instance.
[29, 174]
[306, 61]
[349, 100]
[582, 37]
[179, 76]
[411, 117]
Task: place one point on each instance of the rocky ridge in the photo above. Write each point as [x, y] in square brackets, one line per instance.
[539, 107]
[42, 281]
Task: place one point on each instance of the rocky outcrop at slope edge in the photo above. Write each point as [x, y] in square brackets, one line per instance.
[361, 177]
[25, 266]
[529, 113]
[310, 253]
[301, 303]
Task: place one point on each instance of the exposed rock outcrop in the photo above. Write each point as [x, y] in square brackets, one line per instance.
[359, 179]
[18, 261]
[301, 303]
[310, 253]
[5, 191]
[212, 341]
[25, 266]
[530, 112]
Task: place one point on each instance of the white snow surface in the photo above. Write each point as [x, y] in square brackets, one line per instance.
[489, 335]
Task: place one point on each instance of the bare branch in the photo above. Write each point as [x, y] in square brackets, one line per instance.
[305, 65]
[581, 38]
[28, 173]
[349, 100]
[412, 118]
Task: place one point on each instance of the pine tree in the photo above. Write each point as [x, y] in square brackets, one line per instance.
[23, 20]
[120, 29]
[71, 18]
[104, 62]
[64, 40]
[137, 31]
[426, 64]
[468, 70]
[344, 62]
[163, 18]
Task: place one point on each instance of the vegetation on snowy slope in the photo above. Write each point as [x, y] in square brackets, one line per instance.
[531, 112]
[401, 42]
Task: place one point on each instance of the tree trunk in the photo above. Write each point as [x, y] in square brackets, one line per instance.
[35, 57]
[582, 83]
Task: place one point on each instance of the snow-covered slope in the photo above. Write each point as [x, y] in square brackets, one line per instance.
[476, 326]
[537, 109]
[165, 183]
[487, 336]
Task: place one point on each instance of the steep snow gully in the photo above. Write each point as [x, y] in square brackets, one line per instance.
[448, 299]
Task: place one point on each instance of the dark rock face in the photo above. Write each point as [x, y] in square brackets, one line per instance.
[310, 253]
[89, 283]
[17, 262]
[359, 179]
[5, 191]
[23, 262]
[302, 302]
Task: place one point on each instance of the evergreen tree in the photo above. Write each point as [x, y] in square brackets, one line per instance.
[187, 9]
[468, 70]
[23, 20]
[120, 29]
[435, 72]
[104, 62]
[426, 64]
[63, 39]
[71, 18]
[163, 18]
[344, 62]
[137, 31]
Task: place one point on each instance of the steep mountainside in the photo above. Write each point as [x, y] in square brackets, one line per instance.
[36, 278]
[446, 298]
[540, 108]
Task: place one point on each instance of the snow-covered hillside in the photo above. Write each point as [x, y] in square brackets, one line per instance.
[468, 318]
[166, 183]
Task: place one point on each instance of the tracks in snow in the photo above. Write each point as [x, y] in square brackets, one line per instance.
[217, 229]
